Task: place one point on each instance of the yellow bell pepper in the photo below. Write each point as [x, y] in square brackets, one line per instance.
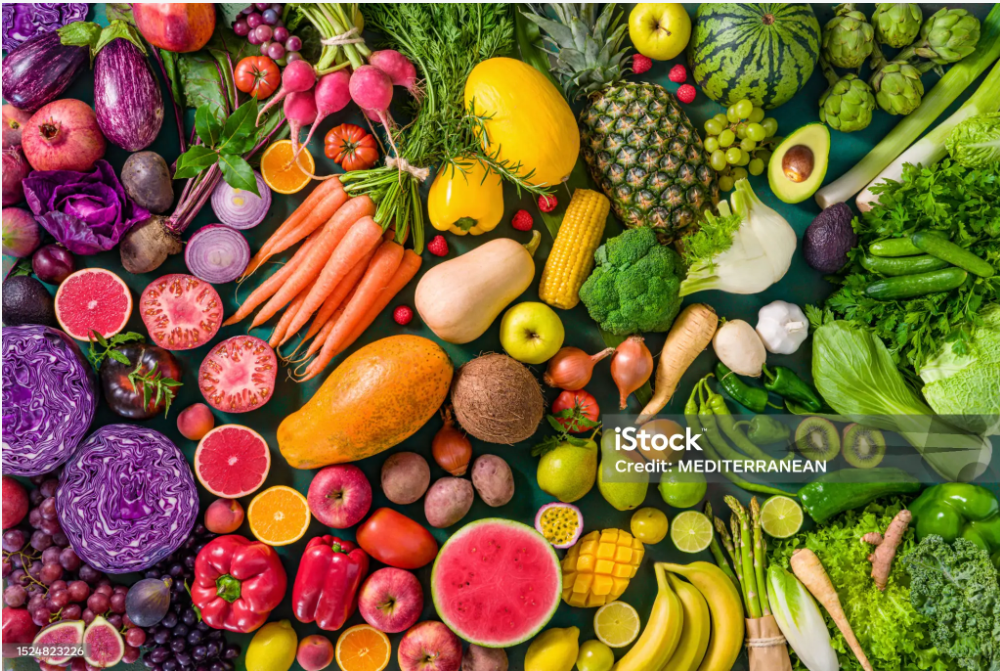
[462, 201]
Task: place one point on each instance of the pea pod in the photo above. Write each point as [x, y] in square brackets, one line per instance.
[910, 286]
[894, 247]
[938, 246]
[904, 265]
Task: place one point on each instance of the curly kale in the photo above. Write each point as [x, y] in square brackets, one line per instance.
[635, 286]
[956, 587]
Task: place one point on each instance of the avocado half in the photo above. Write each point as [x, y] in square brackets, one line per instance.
[798, 165]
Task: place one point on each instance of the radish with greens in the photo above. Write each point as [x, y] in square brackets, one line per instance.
[217, 254]
[300, 110]
[298, 76]
[238, 208]
[398, 67]
[332, 94]
[371, 89]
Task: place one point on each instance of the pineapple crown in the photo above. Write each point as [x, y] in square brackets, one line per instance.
[587, 47]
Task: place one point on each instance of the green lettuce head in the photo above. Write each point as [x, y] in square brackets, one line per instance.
[975, 143]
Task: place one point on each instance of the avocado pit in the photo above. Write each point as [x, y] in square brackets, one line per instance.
[798, 163]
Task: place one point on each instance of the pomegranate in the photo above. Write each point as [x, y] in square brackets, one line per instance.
[63, 135]
[15, 169]
[13, 123]
[175, 26]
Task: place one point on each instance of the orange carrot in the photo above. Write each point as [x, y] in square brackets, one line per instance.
[326, 242]
[329, 206]
[407, 271]
[281, 333]
[271, 284]
[337, 296]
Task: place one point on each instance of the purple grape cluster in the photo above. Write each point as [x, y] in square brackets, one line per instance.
[261, 24]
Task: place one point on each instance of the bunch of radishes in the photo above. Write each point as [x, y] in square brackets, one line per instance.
[307, 101]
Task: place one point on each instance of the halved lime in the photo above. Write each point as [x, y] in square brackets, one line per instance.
[616, 624]
[691, 532]
[781, 517]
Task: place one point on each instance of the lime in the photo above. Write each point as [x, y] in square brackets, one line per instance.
[682, 490]
[781, 517]
[691, 532]
[616, 624]
[594, 656]
[649, 525]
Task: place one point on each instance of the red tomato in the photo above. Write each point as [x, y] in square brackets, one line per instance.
[258, 75]
[577, 411]
[394, 539]
[351, 147]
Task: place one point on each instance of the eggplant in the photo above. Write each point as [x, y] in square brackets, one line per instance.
[38, 71]
[127, 96]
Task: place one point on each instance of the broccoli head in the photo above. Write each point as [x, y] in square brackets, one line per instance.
[635, 286]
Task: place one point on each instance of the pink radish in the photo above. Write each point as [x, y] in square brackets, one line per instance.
[300, 110]
[371, 89]
[297, 76]
[398, 67]
[332, 94]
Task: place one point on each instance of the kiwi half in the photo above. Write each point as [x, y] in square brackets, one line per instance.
[817, 439]
[863, 447]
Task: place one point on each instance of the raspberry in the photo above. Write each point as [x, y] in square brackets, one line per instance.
[438, 246]
[678, 74]
[547, 203]
[522, 221]
[686, 93]
[641, 64]
[403, 315]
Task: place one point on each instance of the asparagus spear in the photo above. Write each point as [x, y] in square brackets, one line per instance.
[716, 549]
[759, 556]
[738, 562]
[746, 554]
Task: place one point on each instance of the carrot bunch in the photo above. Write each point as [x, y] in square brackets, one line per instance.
[344, 274]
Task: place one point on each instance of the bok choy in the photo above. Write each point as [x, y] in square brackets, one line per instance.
[800, 620]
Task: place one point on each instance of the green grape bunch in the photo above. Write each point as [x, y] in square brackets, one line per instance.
[739, 142]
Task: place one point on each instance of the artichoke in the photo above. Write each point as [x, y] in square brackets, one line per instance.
[897, 23]
[898, 88]
[975, 143]
[848, 38]
[847, 105]
[946, 37]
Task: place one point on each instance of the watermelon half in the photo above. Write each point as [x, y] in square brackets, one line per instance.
[496, 582]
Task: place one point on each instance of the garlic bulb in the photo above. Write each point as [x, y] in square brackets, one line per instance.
[782, 327]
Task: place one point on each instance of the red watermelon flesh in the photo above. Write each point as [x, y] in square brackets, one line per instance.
[232, 461]
[496, 582]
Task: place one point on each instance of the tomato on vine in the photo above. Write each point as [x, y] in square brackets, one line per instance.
[576, 411]
[258, 76]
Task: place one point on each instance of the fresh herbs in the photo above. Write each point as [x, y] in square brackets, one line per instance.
[102, 348]
[563, 437]
[153, 382]
[223, 143]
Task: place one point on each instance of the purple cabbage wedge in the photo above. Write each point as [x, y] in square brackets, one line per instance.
[49, 399]
[23, 21]
[127, 95]
[38, 71]
[126, 498]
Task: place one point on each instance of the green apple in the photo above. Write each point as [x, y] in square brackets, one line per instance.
[531, 332]
[659, 30]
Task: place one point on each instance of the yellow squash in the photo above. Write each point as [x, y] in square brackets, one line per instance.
[464, 199]
[526, 118]
[375, 399]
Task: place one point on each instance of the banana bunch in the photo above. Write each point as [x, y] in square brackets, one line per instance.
[662, 634]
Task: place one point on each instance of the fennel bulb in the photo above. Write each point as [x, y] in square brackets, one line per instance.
[800, 620]
[744, 250]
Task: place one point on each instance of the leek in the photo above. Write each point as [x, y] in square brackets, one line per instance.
[945, 92]
[800, 620]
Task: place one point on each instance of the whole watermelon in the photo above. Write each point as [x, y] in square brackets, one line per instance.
[762, 52]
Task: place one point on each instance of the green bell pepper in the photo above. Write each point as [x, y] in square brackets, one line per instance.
[957, 509]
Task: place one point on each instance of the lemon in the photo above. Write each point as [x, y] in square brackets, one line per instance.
[553, 650]
[781, 517]
[649, 525]
[595, 656]
[691, 532]
[616, 624]
[272, 648]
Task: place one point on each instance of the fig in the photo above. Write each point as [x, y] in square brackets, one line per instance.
[148, 601]
[57, 636]
[102, 644]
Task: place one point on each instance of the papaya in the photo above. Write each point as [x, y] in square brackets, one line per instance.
[376, 398]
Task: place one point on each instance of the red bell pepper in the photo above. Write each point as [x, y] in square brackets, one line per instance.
[237, 583]
[326, 586]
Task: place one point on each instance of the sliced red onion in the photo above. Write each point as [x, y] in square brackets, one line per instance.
[217, 254]
[241, 209]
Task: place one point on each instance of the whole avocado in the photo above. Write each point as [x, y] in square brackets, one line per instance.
[828, 239]
[26, 301]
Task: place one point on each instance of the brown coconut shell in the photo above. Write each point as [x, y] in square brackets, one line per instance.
[497, 399]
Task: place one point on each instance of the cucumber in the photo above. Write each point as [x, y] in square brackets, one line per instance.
[894, 247]
[903, 265]
[937, 246]
[910, 286]
[837, 492]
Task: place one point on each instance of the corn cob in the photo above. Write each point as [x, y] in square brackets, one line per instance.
[572, 256]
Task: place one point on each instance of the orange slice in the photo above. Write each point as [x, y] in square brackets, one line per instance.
[279, 515]
[280, 172]
[363, 648]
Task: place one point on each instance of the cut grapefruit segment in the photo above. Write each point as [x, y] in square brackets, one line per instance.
[93, 300]
[232, 461]
[180, 311]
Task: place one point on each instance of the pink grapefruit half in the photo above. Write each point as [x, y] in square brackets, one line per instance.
[93, 300]
[232, 461]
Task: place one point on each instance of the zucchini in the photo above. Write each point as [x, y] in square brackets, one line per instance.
[903, 265]
[894, 247]
[910, 286]
[833, 493]
[938, 246]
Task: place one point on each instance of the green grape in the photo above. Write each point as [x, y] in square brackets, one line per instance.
[756, 115]
[726, 183]
[747, 144]
[733, 155]
[741, 131]
[756, 166]
[744, 159]
[756, 132]
[711, 144]
[718, 160]
[726, 138]
[739, 173]
[732, 114]
[770, 125]
[744, 108]
[713, 127]
[764, 155]
[721, 118]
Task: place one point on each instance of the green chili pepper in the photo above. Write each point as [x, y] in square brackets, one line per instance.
[717, 404]
[765, 429]
[751, 398]
[789, 386]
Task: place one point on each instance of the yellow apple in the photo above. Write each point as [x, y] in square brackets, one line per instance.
[659, 30]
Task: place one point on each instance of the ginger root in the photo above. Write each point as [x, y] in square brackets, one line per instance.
[885, 547]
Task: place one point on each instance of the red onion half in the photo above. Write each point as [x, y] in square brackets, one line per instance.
[241, 209]
[217, 254]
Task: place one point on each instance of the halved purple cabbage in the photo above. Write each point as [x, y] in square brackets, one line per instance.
[126, 498]
[49, 399]
[23, 21]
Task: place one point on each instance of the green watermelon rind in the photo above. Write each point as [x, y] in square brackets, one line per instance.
[729, 55]
[516, 527]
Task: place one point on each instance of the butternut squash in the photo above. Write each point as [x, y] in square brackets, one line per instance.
[460, 298]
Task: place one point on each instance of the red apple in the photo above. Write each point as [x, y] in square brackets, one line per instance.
[175, 26]
[340, 496]
[15, 502]
[14, 121]
[391, 600]
[430, 646]
[315, 653]
[17, 629]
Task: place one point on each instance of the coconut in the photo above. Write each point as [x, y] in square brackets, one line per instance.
[497, 399]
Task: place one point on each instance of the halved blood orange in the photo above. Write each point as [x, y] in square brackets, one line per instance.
[93, 300]
[238, 374]
[180, 311]
[232, 461]
[363, 648]
[279, 515]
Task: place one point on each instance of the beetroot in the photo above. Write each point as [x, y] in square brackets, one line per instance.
[13, 123]
[15, 169]
[63, 135]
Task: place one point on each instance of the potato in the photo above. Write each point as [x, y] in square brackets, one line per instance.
[493, 480]
[405, 476]
[448, 501]
[147, 182]
[478, 658]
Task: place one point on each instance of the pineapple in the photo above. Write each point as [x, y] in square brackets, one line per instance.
[638, 143]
